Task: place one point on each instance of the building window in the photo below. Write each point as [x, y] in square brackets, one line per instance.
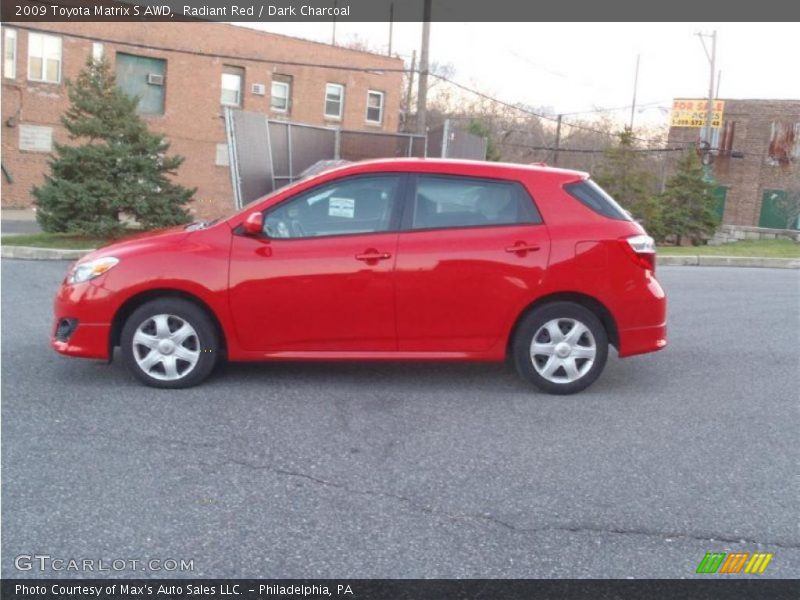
[97, 51]
[10, 54]
[232, 86]
[44, 58]
[374, 107]
[334, 100]
[281, 93]
[143, 77]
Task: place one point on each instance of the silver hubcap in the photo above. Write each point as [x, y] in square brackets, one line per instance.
[166, 347]
[563, 350]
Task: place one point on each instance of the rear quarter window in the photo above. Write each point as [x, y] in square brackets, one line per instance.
[588, 193]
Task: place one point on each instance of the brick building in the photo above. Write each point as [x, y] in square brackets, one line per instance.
[756, 154]
[185, 74]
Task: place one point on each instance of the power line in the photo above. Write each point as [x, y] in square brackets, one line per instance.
[258, 59]
[531, 112]
[590, 150]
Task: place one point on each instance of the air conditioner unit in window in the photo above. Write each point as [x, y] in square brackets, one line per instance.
[155, 79]
[259, 89]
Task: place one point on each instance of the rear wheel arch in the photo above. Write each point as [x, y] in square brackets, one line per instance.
[585, 300]
[134, 302]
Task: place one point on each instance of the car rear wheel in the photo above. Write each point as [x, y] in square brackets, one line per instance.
[561, 348]
[169, 343]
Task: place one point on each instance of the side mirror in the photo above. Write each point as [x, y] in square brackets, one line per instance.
[254, 225]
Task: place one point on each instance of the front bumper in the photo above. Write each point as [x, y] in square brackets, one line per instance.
[89, 340]
[90, 305]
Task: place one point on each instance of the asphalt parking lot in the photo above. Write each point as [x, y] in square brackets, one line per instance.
[414, 470]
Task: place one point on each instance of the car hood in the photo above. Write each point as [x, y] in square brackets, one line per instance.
[139, 241]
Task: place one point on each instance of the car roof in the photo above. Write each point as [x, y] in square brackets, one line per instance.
[476, 168]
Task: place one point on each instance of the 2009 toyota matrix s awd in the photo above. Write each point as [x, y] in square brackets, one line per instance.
[382, 260]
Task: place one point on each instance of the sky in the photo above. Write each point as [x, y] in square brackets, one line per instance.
[574, 67]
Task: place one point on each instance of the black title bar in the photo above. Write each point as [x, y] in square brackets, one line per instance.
[398, 10]
[394, 589]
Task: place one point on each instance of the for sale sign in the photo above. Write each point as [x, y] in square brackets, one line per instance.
[692, 113]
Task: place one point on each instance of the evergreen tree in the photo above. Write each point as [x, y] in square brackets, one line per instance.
[688, 201]
[120, 169]
[625, 175]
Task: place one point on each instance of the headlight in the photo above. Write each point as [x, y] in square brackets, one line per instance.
[91, 269]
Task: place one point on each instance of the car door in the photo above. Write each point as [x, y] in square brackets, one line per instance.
[472, 252]
[320, 277]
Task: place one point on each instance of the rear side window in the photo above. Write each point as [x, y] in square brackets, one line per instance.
[450, 201]
[590, 194]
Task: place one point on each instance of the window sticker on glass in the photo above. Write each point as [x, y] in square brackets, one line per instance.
[341, 207]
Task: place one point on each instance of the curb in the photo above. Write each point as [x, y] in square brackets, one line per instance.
[729, 261]
[31, 253]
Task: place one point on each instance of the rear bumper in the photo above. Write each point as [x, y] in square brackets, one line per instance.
[642, 340]
[645, 329]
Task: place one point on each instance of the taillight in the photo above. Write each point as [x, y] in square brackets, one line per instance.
[642, 248]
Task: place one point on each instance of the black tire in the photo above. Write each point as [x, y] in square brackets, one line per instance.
[569, 312]
[203, 343]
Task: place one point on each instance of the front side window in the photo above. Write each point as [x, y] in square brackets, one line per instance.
[334, 100]
[588, 193]
[10, 53]
[232, 86]
[447, 201]
[44, 58]
[281, 93]
[356, 205]
[374, 107]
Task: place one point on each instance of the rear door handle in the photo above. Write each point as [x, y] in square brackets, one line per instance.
[522, 248]
[373, 255]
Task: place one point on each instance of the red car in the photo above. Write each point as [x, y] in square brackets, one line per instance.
[381, 260]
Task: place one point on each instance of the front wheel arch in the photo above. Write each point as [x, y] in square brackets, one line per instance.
[134, 302]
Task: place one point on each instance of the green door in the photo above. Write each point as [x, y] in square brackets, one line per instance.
[774, 211]
[720, 194]
[144, 77]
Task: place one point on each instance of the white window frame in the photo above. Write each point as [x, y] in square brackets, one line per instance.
[43, 75]
[340, 87]
[380, 113]
[9, 34]
[97, 51]
[287, 86]
[239, 93]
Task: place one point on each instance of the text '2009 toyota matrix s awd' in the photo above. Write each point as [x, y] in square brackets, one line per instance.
[380, 260]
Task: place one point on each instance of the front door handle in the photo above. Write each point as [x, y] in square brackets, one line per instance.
[522, 248]
[373, 256]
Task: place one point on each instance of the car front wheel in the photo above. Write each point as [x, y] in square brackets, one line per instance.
[169, 343]
[561, 348]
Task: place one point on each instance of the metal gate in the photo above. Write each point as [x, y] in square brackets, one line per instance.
[449, 141]
[265, 155]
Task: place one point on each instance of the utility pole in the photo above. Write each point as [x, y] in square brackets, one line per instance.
[391, 27]
[712, 60]
[719, 78]
[557, 145]
[422, 93]
[333, 36]
[635, 86]
[410, 85]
